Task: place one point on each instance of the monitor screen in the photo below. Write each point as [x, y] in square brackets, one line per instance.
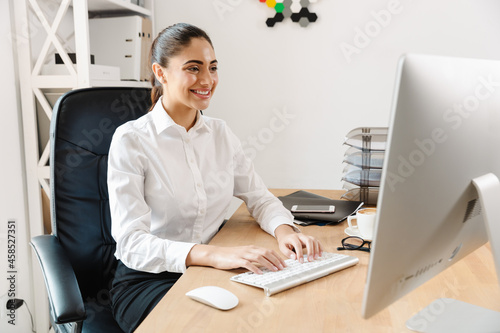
[444, 132]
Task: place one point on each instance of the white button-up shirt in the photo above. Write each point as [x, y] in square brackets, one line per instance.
[169, 189]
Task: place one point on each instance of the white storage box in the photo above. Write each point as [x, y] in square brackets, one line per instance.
[97, 72]
[124, 42]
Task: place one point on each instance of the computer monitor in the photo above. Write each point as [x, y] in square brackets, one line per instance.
[444, 133]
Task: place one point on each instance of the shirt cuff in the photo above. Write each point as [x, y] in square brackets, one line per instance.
[277, 221]
[176, 256]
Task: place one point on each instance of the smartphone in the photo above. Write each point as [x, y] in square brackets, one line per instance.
[313, 209]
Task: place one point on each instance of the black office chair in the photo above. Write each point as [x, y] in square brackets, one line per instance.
[78, 260]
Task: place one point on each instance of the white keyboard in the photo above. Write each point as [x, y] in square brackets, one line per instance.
[295, 273]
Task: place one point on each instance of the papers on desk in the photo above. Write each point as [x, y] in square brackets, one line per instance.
[343, 208]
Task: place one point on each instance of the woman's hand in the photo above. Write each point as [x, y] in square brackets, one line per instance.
[292, 244]
[249, 257]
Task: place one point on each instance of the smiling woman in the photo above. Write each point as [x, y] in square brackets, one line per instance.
[185, 70]
[164, 205]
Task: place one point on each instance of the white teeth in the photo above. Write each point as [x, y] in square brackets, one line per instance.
[201, 92]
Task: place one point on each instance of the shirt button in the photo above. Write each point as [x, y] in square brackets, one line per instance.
[199, 185]
[188, 141]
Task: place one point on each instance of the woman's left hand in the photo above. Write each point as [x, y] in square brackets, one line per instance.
[293, 244]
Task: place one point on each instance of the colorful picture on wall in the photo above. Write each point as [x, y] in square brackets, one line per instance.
[296, 10]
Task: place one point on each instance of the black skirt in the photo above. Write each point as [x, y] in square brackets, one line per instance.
[134, 294]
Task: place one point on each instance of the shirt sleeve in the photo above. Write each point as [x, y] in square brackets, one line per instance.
[267, 210]
[136, 247]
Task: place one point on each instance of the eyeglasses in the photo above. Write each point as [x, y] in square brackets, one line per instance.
[354, 243]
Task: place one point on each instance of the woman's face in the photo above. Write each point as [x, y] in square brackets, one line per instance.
[191, 77]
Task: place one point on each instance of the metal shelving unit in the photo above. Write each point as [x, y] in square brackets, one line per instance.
[34, 88]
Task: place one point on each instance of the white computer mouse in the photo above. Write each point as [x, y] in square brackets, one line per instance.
[213, 296]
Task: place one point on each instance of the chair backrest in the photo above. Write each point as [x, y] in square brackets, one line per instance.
[81, 129]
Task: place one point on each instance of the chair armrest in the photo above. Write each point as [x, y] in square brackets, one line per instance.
[62, 287]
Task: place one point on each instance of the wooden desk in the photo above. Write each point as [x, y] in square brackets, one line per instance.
[329, 304]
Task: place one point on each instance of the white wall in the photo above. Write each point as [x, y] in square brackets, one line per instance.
[12, 186]
[303, 71]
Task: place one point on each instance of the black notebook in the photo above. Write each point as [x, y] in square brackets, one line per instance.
[343, 208]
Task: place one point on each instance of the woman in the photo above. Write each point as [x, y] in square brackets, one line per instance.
[166, 204]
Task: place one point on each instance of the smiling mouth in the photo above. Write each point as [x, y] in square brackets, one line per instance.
[201, 93]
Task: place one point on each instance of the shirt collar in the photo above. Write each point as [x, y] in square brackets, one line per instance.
[162, 119]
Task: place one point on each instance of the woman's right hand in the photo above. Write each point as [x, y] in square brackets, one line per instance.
[249, 257]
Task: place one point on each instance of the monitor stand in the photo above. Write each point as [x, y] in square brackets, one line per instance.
[449, 315]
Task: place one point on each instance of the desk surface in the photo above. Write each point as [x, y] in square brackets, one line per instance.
[331, 302]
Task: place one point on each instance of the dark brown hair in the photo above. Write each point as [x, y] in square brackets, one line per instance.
[170, 42]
